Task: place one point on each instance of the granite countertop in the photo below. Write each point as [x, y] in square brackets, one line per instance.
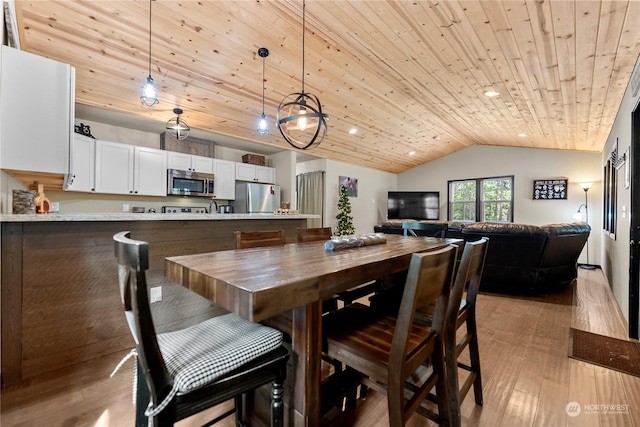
[144, 217]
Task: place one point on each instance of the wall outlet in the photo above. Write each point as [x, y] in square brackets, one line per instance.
[125, 207]
[155, 294]
[55, 207]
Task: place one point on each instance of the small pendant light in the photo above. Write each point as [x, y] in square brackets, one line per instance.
[263, 125]
[149, 95]
[177, 127]
[300, 118]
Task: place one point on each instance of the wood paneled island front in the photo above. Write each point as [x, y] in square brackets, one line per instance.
[59, 295]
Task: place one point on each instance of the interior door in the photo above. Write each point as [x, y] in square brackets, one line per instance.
[634, 249]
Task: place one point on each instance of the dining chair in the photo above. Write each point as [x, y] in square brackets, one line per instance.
[424, 229]
[313, 234]
[462, 311]
[349, 296]
[187, 371]
[254, 239]
[389, 352]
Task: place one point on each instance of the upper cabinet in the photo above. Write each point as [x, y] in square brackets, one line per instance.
[37, 104]
[224, 179]
[129, 169]
[81, 175]
[150, 171]
[189, 162]
[255, 173]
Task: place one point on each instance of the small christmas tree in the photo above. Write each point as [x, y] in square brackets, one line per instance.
[345, 220]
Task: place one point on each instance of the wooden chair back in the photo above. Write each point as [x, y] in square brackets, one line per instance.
[429, 281]
[390, 351]
[313, 234]
[467, 279]
[133, 261]
[168, 404]
[424, 229]
[476, 269]
[254, 239]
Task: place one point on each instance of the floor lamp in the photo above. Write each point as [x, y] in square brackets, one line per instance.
[578, 215]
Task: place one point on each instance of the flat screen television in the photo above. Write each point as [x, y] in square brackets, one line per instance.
[413, 205]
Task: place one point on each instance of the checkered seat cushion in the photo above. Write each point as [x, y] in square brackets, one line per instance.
[202, 353]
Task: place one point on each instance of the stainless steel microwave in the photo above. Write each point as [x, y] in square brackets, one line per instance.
[189, 183]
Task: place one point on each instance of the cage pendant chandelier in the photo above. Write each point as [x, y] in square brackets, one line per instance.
[177, 127]
[299, 117]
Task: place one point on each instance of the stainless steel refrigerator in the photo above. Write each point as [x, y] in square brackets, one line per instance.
[256, 198]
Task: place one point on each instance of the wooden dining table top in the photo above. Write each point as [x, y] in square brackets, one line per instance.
[258, 283]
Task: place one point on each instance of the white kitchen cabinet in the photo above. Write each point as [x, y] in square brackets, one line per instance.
[37, 97]
[255, 173]
[128, 169]
[189, 162]
[82, 162]
[265, 174]
[150, 171]
[224, 179]
[114, 167]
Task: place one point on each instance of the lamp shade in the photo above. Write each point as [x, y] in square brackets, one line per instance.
[263, 125]
[585, 185]
[149, 95]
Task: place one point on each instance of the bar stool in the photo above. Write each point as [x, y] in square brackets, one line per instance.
[254, 239]
[389, 351]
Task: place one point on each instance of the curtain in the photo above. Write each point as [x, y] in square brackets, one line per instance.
[310, 189]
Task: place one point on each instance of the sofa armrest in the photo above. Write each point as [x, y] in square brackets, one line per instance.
[560, 258]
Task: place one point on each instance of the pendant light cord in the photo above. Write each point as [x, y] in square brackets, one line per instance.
[150, 2]
[263, 84]
[303, 31]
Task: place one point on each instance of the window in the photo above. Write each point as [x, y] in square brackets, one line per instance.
[481, 200]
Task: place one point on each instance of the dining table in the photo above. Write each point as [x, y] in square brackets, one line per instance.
[290, 282]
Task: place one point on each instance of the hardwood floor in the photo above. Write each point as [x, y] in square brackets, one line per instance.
[528, 378]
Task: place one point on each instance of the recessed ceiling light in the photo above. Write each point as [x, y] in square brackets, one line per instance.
[353, 131]
[522, 135]
[491, 93]
[411, 153]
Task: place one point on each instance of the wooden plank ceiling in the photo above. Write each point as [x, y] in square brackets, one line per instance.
[409, 75]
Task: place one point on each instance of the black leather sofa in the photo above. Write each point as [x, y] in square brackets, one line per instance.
[524, 259]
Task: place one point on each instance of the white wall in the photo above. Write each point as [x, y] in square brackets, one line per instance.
[526, 165]
[285, 165]
[122, 135]
[369, 208]
[615, 252]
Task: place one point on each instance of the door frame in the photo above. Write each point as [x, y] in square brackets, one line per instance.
[634, 232]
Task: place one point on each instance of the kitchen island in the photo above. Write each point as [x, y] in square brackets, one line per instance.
[60, 304]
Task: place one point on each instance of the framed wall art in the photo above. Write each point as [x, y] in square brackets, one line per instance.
[550, 189]
[351, 184]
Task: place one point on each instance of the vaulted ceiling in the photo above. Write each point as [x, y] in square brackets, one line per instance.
[409, 75]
